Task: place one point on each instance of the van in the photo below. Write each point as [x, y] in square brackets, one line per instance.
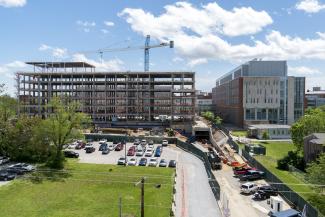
[248, 188]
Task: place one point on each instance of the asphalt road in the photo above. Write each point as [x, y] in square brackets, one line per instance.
[193, 193]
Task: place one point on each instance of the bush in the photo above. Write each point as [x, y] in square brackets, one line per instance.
[318, 201]
[294, 159]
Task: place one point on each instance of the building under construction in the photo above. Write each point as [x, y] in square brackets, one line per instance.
[112, 99]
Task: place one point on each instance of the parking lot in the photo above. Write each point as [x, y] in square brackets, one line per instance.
[241, 203]
[112, 157]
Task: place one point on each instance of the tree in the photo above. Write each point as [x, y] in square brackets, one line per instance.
[217, 120]
[208, 115]
[312, 122]
[316, 170]
[62, 125]
[265, 135]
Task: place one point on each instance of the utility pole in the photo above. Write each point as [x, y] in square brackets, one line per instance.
[142, 194]
[120, 206]
[142, 197]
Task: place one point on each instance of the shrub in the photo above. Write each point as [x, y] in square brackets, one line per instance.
[294, 159]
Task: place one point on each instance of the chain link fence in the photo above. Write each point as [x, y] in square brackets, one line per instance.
[290, 196]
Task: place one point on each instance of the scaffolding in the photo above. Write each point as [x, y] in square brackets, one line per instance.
[110, 98]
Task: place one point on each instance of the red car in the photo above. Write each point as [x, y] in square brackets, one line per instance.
[119, 147]
[243, 170]
[131, 151]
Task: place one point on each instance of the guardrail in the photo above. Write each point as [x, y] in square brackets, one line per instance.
[290, 196]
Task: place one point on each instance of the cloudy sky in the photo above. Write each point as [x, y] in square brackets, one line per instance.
[211, 37]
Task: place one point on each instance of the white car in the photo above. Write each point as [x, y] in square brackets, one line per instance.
[73, 145]
[248, 188]
[153, 162]
[122, 161]
[139, 153]
[4, 160]
[88, 145]
[151, 146]
[149, 152]
[111, 147]
[102, 141]
[164, 143]
[132, 162]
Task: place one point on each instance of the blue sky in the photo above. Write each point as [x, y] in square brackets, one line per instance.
[211, 37]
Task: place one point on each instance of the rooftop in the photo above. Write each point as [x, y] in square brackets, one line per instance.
[268, 126]
[319, 138]
[61, 64]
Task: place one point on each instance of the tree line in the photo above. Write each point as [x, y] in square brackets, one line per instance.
[37, 140]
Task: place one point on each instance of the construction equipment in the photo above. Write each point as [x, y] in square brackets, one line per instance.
[146, 49]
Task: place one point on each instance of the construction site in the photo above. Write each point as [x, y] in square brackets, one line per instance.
[112, 99]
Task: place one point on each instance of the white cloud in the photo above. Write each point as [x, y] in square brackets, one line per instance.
[310, 6]
[105, 65]
[12, 3]
[109, 23]
[211, 18]
[86, 25]
[178, 59]
[303, 71]
[105, 31]
[55, 51]
[198, 61]
[197, 34]
[9, 69]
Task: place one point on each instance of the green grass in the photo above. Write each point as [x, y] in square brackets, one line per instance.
[275, 151]
[239, 133]
[89, 190]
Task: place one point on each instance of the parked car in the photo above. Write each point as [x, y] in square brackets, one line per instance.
[158, 151]
[131, 151]
[105, 150]
[102, 141]
[132, 161]
[90, 149]
[136, 142]
[153, 162]
[119, 147]
[81, 145]
[16, 170]
[139, 153]
[143, 142]
[242, 170]
[248, 188]
[4, 160]
[151, 144]
[102, 146]
[70, 154]
[111, 147]
[252, 175]
[20, 168]
[122, 161]
[89, 145]
[73, 145]
[163, 163]
[164, 143]
[6, 175]
[172, 163]
[143, 162]
[264, 192]
[149, 152]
